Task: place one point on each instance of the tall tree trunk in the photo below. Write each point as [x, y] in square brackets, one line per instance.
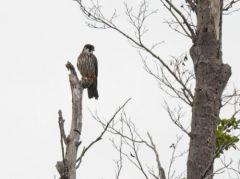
[211, 78]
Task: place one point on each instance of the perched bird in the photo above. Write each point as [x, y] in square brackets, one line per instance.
[88, 66]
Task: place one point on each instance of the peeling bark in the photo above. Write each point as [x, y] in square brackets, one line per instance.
[211, 78]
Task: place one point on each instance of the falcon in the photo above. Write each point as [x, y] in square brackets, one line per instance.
[88, 66]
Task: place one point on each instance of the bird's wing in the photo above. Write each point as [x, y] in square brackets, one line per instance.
[95, 62]
[78, 61]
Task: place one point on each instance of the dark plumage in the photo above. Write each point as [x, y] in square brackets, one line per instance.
[88, 66]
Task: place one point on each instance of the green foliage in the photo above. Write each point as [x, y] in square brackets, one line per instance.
[225, 137]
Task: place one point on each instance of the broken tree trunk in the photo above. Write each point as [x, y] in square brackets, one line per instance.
[67, 167]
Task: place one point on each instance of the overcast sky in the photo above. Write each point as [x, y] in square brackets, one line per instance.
[37, 38]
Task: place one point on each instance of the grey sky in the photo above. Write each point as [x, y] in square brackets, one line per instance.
[37, 38]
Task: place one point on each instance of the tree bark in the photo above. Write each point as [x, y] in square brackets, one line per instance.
[211, 78]
[67, 167]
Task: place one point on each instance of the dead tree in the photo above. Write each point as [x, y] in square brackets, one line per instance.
[210, 73]
[71, 143]
[67, 167]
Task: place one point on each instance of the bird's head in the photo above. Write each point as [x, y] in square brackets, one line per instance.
[88, 48]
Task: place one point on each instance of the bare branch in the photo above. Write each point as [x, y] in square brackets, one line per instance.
[135, 150]
[174, 10]
[119, 162]
[85, 149]
[98, 17]
[232, 99]
[133, 140]
[227, 165]
[229, 4]
[175, 116]
[169, 85]
[161, 173]
[174, 157]
[138, 20]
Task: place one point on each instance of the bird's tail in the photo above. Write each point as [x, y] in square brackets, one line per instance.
[92, 91]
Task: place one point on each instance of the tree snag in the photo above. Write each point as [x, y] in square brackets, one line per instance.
[70, 161]
[67, 167]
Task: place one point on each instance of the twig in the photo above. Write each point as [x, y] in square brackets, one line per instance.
[172, 6]
[173, 157]
[119, 163]
[85, 149]
[176, 119]
[230, 5]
